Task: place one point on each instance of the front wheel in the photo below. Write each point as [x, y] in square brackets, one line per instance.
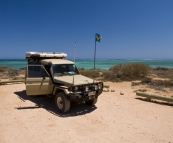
[61, 102]
[91, 102]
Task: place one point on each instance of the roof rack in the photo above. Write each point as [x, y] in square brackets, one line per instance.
[45, 55]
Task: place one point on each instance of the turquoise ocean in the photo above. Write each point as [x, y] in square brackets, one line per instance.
[88, 64]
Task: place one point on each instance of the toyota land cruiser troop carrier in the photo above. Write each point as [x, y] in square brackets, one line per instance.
[50, 74]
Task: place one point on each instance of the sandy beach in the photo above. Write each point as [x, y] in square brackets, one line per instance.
[118, 116]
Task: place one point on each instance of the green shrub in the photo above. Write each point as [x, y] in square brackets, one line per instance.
[146, 80]
[128, 71]
[2, 68]
[109, 76]
[89, 73]
[161, 68]
[165, 83]
[163, 73]
[81, 69]
[12, 72]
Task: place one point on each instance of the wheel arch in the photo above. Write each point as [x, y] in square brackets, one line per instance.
[60, 89]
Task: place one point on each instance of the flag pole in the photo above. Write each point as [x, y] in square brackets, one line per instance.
[94, 59]
[74, 58]
[97, 39]
[74, 51]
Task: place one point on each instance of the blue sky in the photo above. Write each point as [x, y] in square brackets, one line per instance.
[130, 29]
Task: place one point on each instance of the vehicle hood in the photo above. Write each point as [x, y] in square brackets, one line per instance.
[78, 79]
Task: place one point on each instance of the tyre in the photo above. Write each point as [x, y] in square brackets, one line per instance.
[91, 102]
[61, 102]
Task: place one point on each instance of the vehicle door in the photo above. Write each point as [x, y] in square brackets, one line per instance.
[38, 81]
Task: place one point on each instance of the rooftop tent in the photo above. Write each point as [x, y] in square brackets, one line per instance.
[45, 55]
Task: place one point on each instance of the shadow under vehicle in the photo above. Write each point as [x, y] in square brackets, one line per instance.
[45, 102]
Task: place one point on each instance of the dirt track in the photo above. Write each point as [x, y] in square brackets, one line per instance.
[115, 118]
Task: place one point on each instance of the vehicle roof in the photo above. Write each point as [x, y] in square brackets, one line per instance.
[56, 61]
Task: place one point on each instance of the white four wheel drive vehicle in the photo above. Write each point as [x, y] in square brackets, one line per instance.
[50, 74]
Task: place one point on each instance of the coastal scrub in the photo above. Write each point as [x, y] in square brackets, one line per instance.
[127, 72]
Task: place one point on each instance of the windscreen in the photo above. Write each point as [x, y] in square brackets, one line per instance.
[64, 69]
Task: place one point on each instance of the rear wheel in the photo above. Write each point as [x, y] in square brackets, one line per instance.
[91, 102]
[61, 102]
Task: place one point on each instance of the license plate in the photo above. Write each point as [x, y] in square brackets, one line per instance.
[91, 93]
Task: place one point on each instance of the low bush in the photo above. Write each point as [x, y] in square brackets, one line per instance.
[12, 72]
[2, 68]
[146, 80]
[161, 68]
[129, 71]
[163, 73]
[109, 76]
[165, 83]
[89, 73]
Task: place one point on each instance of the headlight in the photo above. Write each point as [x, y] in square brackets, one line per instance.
[75, 88]
[86, 88]
[100, 86]
[96, 87]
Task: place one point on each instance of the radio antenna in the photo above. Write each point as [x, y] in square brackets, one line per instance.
[74, 60]
[74, 51]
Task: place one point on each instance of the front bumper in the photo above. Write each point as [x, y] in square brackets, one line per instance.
[83, 96]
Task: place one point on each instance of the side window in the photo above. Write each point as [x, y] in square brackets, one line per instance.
[36, 72]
